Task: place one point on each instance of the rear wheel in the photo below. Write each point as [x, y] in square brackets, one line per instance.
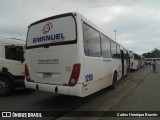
[5, 86]
[114, 82]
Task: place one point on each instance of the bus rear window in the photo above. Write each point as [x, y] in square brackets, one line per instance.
[52, 31]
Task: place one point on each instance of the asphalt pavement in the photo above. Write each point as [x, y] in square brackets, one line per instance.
[144, 97]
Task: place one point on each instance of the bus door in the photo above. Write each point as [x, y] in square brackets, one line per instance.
[128, 62]
[122, 62]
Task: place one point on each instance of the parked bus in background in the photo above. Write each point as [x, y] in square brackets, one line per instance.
[142, 61]
[11, 65]
[158, 60]
[149, 60]
[67, 54]
[134, 61]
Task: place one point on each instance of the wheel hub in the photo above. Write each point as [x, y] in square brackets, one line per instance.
[3, 86]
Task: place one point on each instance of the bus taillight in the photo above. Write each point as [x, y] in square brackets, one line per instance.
[74, 75]
[27, 73]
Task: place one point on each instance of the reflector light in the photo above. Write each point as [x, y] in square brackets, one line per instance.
[74, 75]
[27, 74]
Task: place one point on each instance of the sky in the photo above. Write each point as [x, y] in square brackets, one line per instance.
[137, 22]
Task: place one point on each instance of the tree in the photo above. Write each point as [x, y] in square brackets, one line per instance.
[153, 54]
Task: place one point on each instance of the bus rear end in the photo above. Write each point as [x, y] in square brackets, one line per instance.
[52, 62]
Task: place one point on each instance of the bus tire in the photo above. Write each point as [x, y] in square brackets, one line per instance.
[5, 86]
[114, 82]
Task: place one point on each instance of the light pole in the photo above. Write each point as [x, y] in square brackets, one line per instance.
[158, 52]
[115, 33]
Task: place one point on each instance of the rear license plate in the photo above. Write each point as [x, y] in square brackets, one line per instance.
[47, 75]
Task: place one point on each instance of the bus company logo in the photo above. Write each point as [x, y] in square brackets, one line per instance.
[47, 27]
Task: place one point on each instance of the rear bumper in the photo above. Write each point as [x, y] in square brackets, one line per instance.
[66, 90]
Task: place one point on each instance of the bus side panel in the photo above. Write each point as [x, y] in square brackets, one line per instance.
[135, 65]
[107, 81]
[117, 67]
[97, 74]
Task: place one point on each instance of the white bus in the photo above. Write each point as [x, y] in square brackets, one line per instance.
[157, 60]
[149, 60]
[67, 54]
[142, 61]
[135, 62]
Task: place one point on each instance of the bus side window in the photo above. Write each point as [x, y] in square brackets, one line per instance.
[91, 41]
[118, 52]
[114, 50]
[106, 48]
